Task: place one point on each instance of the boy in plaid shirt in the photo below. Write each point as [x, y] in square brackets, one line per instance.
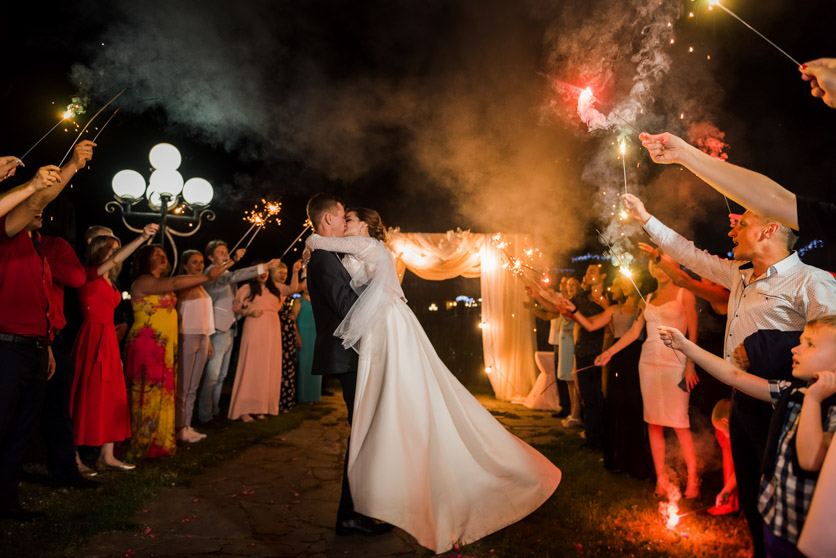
[801, 430]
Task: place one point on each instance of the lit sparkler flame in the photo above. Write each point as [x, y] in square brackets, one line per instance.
[256, 219]
[72, 109]
[625, 271]
[622, 214]
[670, 512]
[273, 208]
[586, 96]
[622, 147]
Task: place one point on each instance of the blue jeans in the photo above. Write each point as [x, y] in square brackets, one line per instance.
[214, 375]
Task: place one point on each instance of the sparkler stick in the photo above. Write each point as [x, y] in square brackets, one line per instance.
[237, 244]
[88, 124]
[555, 381]
[292, 244]
[258, 230]
[42, 139]
[681, 515]
[717, 3]
[105, 124]
[620, 118]
[623, 148]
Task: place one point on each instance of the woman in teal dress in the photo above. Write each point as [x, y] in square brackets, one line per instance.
[308, 386]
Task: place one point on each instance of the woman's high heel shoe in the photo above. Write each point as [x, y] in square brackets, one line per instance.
[102, 466]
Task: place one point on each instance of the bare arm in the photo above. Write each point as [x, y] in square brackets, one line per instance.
[811, 442]
[122, 254]
[631, 335]
[293, 288]
[596, 322]
[716, 366]
[750, 189]
[14, 197]
[149, 285]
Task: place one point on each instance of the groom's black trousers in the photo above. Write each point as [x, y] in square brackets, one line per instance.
[346, 509]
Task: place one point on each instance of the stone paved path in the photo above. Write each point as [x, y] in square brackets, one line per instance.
[277, 498]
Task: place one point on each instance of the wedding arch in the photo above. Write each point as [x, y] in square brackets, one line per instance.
[508, 339]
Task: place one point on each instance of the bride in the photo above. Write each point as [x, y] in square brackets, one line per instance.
[425, 455]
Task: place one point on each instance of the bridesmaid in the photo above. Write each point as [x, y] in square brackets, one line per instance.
[151, 353]
[99, 401]
[197, 323]
[309, 386]
[290, 342]
[257, 387]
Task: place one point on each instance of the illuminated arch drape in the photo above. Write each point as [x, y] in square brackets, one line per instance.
[508, 340]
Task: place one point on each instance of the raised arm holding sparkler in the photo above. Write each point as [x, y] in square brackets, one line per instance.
[44, 178]
[750, 189]
[8, 166]
[57, 179]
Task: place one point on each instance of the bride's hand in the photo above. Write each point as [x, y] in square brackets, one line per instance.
[306, 256]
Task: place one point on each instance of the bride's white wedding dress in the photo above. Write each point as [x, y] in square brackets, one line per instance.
[425, 455]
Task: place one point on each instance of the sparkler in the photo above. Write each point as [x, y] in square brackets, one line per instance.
[308, 225]
[72, 110]
[712, 3]
[629, 274]
[88, 124]
[260, 220]
[105, 125]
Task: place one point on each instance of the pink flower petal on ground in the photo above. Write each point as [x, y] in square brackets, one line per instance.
[235, 495]
[144, 511]
[249, 492]
[579, 548]
[153, 536]
[189, 537]
[296, 494]
[252, 544]
[146, 531]
[196, 500]
[294, 459]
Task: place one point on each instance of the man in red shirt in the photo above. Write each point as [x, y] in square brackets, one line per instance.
[56, 422]
[25, 328]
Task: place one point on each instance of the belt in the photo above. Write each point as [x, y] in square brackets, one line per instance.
[37, 342]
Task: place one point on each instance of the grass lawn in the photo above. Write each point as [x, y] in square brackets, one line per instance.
[75, 515]
[593, 513]
[598, 513]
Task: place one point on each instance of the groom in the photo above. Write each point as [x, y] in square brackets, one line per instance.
[331, 298]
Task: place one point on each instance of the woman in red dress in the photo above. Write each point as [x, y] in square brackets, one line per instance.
[99, 399]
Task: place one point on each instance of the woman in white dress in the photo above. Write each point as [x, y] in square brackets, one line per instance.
[666, 376]
[425, 455]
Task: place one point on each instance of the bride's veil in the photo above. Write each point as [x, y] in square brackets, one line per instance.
[378, 286]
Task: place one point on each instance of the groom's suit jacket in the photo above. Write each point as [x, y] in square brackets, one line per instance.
[331, 297]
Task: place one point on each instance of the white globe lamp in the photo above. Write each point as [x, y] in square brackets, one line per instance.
[197, 192]
[165, 156]
[128, 186]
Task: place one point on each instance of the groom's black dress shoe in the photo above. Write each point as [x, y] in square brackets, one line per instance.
[362, 525]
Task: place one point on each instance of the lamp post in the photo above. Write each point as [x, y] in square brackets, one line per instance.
[163, 192]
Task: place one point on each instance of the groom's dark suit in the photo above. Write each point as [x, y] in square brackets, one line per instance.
[331, 298]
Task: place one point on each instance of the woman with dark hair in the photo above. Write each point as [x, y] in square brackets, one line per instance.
[258, 377]
[151, 353]
[425, 455]
[197, 323]
[290, 340]
[99, 399]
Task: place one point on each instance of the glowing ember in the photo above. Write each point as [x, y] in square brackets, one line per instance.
[622, 214]
[625, 271]
[622, 147]
[670, 513]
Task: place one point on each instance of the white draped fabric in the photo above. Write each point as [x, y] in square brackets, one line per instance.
[508, 334]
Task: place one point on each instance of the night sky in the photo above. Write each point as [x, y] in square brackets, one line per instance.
[434, 113]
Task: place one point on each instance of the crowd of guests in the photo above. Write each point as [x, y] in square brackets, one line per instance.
[778, 352]
[125, 388]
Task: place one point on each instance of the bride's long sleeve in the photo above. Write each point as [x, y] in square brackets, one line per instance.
[357, 246]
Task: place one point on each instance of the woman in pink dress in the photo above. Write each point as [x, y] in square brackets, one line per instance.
[666, 376]
[258, 377]
[99, 399]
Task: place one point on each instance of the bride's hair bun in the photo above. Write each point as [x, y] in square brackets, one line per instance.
[372, 220]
